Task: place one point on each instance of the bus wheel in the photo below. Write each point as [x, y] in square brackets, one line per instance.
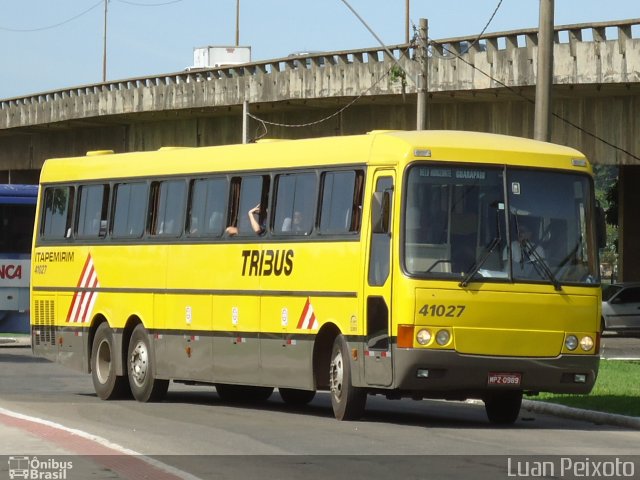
[144, 386]
[106, 383]
[503, 408]
[293, 396]
[348, 402]
[243, 393]
[259, 394]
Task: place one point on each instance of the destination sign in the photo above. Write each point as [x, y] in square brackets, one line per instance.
[463, 174]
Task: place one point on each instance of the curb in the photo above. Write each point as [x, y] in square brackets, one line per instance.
[599, 418]
[19, 341]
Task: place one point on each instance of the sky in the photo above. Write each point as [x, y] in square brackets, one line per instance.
[52, 44]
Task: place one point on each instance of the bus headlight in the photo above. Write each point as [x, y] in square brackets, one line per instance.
[423, 336]
[443, 337]
[571, 342]
[586, 343]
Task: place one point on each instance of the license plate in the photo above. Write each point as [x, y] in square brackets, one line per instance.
[506, 379]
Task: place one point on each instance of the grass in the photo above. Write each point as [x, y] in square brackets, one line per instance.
[617, 390]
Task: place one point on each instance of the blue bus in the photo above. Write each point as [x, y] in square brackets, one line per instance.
[17, 213]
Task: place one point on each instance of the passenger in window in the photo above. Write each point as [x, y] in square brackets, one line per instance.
[193, 227]
[294, 224]
[254, 218]
[522, 250]
[297, 224]
[167, 227]
[215, 222]
[94, 229]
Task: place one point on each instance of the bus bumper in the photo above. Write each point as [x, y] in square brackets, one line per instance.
[448, 374]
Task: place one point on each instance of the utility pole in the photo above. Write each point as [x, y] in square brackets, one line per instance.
[237, 23]
[406, 21]
[245, 122]
[422, 84]
[544, 82]
[104, 44]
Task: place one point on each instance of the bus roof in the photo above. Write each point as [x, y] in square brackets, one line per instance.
[377, 147]
[12, 194]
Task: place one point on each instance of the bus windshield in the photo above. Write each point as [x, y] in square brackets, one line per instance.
[459, 224]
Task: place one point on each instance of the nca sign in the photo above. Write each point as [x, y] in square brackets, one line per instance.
[14, 273]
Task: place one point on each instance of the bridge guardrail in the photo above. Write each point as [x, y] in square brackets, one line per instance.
[622, 31]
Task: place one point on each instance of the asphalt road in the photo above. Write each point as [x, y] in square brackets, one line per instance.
[193, 430]
[614, 346]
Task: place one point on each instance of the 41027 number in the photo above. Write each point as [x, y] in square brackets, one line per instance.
[436, 310]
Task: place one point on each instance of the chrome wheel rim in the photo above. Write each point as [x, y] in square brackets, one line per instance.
[139, 363]
[336, 375]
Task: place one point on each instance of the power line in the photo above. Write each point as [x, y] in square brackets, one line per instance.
[532, 101]
[367, 26]
[376, 37]
[477, 39]
[137, 4]
[84, 12]
[49, 27]
[324, 119]
[348, 105]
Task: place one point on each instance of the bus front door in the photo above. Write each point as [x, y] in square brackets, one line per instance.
[378, 364]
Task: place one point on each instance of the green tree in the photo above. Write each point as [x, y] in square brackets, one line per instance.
[606, 185]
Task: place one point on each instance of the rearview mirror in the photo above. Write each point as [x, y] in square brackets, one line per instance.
[380, 212]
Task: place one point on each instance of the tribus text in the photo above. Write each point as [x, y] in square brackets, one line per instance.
[267, 262]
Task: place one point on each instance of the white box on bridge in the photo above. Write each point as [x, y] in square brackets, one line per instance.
[212, 56]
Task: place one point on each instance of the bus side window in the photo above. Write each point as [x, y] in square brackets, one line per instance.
[295, 202]
[380, 243]
[93, 204]
[57, 213]
[341, 204]
[207, 207]
[253, 192]
[167, 208]
[129, 210]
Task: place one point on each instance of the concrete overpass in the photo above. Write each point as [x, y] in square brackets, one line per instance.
[486, 85]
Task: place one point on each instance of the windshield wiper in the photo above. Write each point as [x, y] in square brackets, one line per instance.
[539, 263]
[476, 266]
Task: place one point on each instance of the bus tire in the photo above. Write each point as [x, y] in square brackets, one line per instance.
[348, 402]
[243, 393]
[144, 386]
[503, 408]
[293, 396]
[107, 384]
[259, 394]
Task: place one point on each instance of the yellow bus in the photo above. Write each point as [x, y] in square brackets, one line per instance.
[433, 264]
